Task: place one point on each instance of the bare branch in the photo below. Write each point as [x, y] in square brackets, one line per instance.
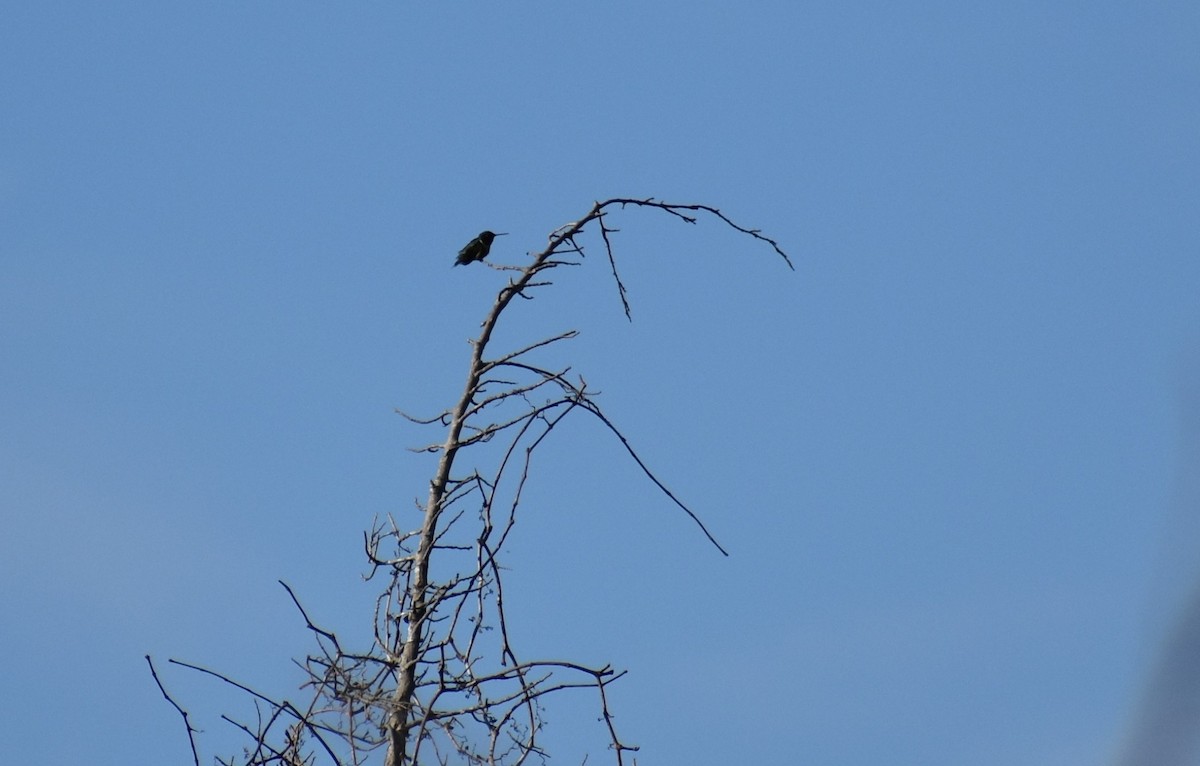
[590, 406]
[521, 352]
[441, 679]
[191, 730]
[612, 261]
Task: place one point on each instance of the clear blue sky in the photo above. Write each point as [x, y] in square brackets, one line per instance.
[954, 455]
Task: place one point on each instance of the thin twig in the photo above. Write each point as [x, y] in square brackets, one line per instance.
[191, 730]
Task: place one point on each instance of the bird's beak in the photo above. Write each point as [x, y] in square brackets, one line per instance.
[502, 234]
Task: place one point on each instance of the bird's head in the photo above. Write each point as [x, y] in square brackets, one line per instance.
[488, 236]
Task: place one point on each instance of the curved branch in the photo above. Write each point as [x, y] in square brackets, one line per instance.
[442, 673]
[591, 407]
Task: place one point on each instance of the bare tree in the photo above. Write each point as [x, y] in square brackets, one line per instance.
[442, 681]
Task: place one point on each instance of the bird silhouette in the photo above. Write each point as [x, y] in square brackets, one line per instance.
[477, 248]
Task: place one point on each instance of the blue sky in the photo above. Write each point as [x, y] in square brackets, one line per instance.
[953, 455]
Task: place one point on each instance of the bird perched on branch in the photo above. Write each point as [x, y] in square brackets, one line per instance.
[477, 248]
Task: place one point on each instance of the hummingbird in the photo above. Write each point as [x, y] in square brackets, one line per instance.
[477, 248]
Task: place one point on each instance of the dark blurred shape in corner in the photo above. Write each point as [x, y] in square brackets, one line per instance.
[1166, 731]
[1166, 725]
